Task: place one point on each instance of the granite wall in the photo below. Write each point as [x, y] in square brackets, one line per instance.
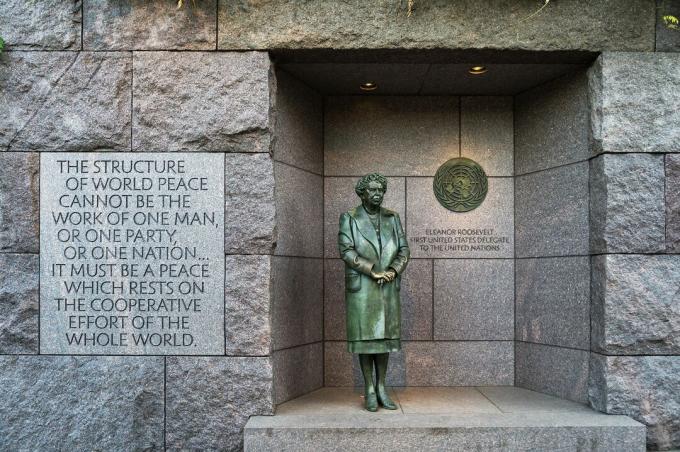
[552, 269]
[297, 264]
[457, 305]
[137, 75]
[634, 239]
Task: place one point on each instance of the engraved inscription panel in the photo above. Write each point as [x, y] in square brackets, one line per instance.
[132, 253]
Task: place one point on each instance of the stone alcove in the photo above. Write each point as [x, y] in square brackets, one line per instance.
[515, 316]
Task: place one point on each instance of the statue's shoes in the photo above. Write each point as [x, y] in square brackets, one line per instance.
[371, 402]
[385, 400]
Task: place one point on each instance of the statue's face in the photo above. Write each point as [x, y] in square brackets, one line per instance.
[373, 194]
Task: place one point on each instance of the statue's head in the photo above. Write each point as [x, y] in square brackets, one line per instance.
[371, 188]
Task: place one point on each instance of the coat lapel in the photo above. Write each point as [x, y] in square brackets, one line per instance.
[385, 227]
[366, 227]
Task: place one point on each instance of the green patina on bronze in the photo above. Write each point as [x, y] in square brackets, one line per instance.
[460, 185]
[373, 245]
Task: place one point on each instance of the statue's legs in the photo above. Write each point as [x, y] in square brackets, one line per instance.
[381, 360]
[366, 362]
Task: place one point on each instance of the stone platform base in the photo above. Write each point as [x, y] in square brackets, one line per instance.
[451, 419]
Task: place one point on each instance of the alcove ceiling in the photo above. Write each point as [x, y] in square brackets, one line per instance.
[428, 72]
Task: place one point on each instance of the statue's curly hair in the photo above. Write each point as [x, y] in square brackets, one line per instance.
[364, 181]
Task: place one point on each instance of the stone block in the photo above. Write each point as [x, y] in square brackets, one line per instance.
[19, 304]
[416, 300]
[19, 202]
[551, 124]
[299, 124]
[635, 304]
[297, 301]
[474, 299]
[209, 400]
[299, 212]
[143, 25]
[646, 388]
[634, 110]
[392, 135]
[607, 25]
[201, 101]
[65, 101]
[250, 209]
[339, 197]
[553, 301]
[77, 403]
[485, 232]
[667, 39]
[627, 213]
[461, 432]
[558, 371]
[44, 25]
[673, 203]
[426, 363]
[551, 216]
[297, 371]
[486, 125]
[247, 299]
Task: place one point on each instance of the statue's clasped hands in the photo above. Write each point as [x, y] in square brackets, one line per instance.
[384, 277]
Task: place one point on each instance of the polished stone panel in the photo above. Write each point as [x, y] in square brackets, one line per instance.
[339, 197]
[510, 399]
[297, 301]
[392, 135]
[473, 299]
[299, 124]
[551, 216]
[209, 400]
[486, 125]
[299, 212]
[297, 371]
[561, 372]
[434, 231]
[426, 363]
[553, 301]
[551, 124]
[129, 273]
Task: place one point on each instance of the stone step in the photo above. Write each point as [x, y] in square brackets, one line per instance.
[540, 431]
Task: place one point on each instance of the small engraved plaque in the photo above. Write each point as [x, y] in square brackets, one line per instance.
[132, 253]
[460, 185]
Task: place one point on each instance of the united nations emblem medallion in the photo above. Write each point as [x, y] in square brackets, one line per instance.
[460, 185]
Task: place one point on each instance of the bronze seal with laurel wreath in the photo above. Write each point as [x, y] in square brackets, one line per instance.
[460, 185]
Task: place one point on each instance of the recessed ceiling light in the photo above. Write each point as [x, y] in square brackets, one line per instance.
[368, 86]
[477, 70]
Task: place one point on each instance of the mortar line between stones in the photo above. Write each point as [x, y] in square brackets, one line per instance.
[165, 400]
[224, 258]
[323, 238]
[487, 398]
[556, 346]
[217, 24]
[514, 241]
[82, 25]
[39, 257]
[460, 126]
[132, 96]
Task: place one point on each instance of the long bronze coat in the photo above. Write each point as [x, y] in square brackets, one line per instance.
[373, 311]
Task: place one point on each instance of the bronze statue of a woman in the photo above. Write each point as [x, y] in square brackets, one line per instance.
[373, 245]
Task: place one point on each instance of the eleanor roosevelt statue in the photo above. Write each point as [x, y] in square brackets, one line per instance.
[373, 245]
